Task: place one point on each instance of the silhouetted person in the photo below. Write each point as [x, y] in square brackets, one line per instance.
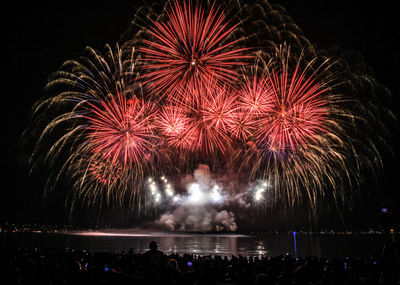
[154, 262]
[263, 279]
[173, 274]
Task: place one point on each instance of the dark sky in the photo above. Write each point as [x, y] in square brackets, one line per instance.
[38, 37]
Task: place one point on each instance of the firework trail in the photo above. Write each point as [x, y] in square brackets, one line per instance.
[249, 95]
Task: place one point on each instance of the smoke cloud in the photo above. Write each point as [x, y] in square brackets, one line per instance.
[204, 205]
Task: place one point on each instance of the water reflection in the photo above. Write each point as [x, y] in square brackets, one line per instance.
[199, 245]
[204, 244]
[261, 249]
[218, 248]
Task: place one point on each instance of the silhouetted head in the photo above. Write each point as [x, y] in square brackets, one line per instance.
[262, 279]
[173, 263]
[153, 245]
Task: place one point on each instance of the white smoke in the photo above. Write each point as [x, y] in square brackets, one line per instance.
[168, 221]
[205, 202]
[202, 207]
[227, 220]
[202, 218]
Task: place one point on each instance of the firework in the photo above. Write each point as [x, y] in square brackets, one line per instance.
[191, 46]
[289, 118]
[295, 112]
[300, 140]
[256, 95]
[106, 130]
[210, 115]
[254, 99]
[122, 130]
[175, 126]
[105, 171]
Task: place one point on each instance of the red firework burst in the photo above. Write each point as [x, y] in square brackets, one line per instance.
[254, 99]
[242, 125]
[174, 126]
[122, 130]
[211, 117]
[190, 47]
[295, 113]
[255, 95]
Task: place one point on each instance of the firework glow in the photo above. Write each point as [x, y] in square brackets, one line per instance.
[200, 92]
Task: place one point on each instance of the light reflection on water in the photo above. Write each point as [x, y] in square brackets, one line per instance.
[261, 249]
[204, 244]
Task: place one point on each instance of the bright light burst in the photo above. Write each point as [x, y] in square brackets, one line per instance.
[216, 196]
[259, 191]
[196, 195]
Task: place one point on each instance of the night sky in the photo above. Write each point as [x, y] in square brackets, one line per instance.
[38, 38]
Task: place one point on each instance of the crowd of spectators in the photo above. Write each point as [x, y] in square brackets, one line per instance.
[68, 266]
